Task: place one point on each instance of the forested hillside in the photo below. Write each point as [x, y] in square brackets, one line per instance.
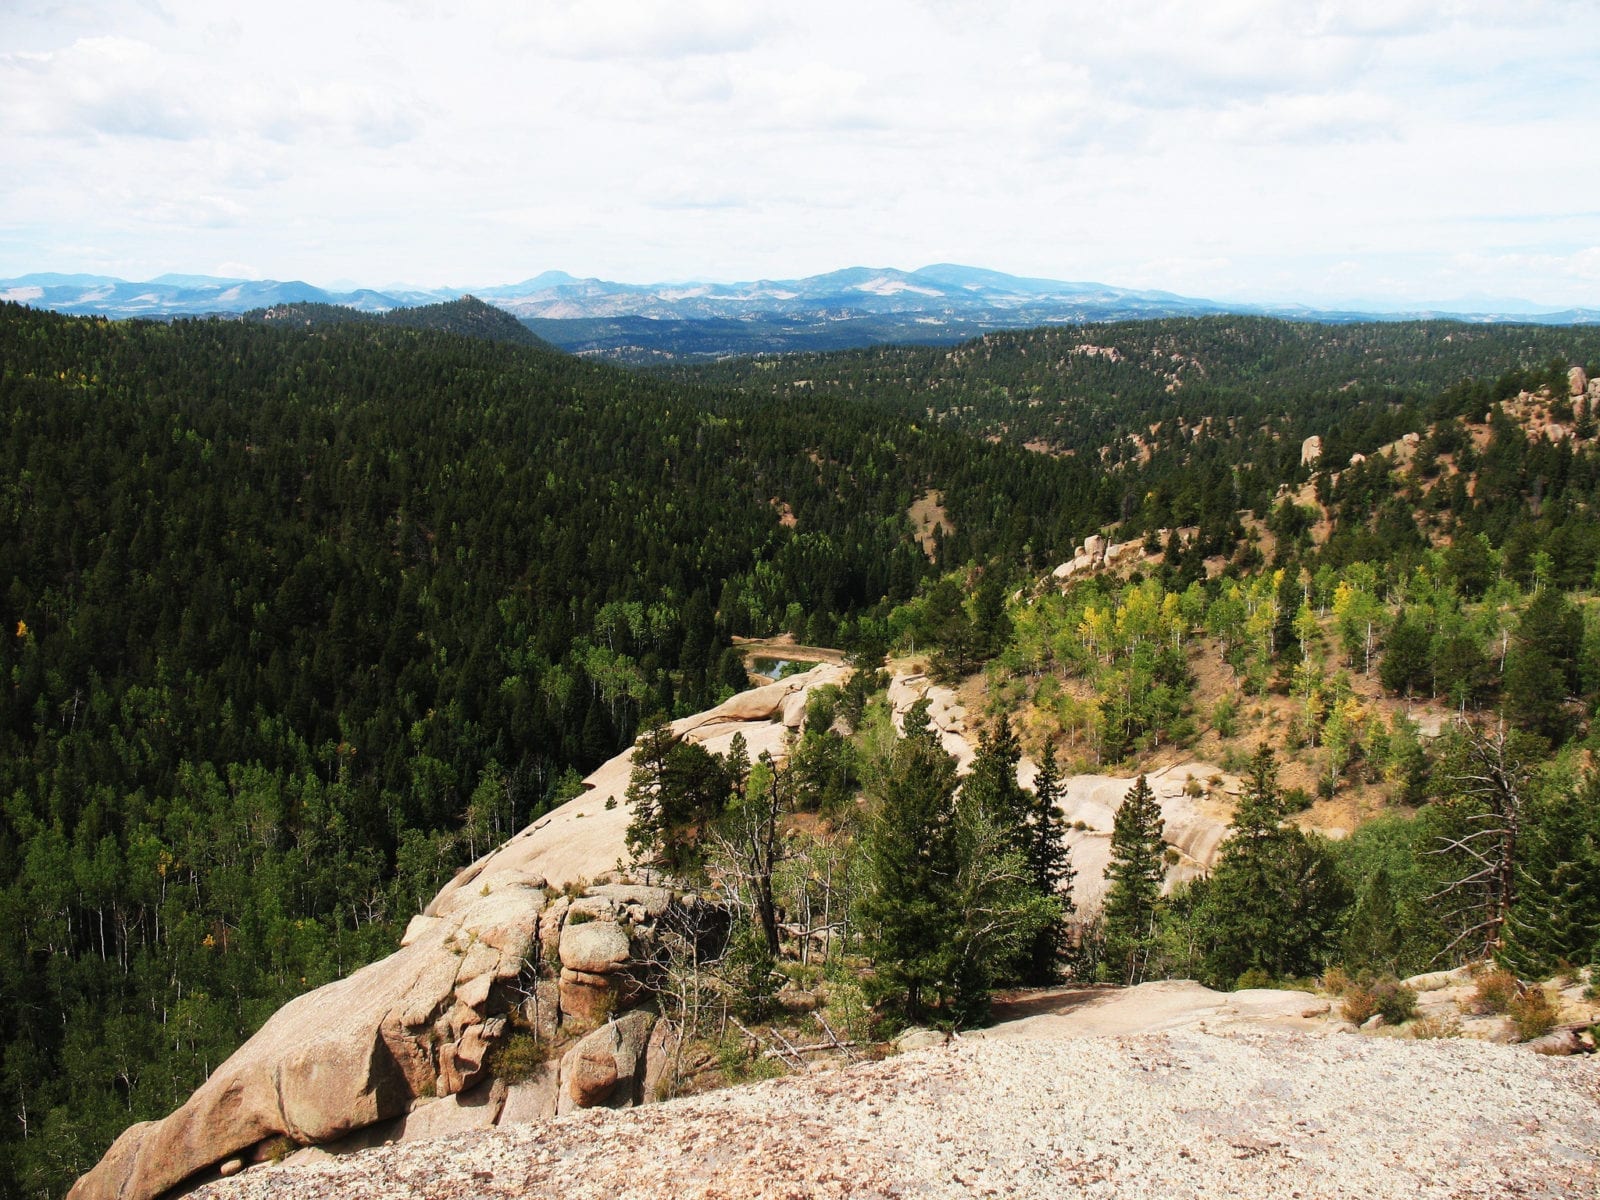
[299, 615]
[1405, 651]
[1078, 388]
[296, 621]
[468, 316]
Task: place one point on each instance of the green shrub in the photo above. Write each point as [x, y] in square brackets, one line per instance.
[1225, 717]
[1336, 981]
[1255, 977]
[1496, 990]
[1396, 1001]
[1532, 1013]
[515, 1057]
[1360, 1003]
[740, 1062]
[579, 918]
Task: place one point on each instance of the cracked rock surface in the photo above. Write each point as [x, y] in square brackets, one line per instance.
[1177, 1114]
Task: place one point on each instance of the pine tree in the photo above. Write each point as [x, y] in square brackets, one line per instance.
[1406, 665]
[1372, 939]
[1556, 916]
[992, 784]
[649, 771]
[910, 849]
[1135, 875]
[1048, 852]
[1050, 863]
[1484, 814]
[1030, 826]
[1275, 895]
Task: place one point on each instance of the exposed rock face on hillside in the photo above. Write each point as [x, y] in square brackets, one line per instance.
[1195, 826]
[401, 1048]
[1181, 1113]
[402, 1045]
[585, 837]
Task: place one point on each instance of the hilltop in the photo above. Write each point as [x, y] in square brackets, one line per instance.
[456, 1008]
[468, 316]
[698, 321]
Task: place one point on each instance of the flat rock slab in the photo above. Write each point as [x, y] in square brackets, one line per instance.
[1181, 1114]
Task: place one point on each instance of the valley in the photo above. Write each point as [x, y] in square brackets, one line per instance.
[316, 621]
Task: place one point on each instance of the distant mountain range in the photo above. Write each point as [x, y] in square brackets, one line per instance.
[641, 323]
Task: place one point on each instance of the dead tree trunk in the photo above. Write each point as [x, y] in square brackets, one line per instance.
[1491, 775]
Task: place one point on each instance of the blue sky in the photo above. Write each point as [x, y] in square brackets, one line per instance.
[1385, 151]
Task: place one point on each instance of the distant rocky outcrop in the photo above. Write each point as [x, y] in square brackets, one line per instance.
[1311, 451]
[1096, 552]
[1196, 798]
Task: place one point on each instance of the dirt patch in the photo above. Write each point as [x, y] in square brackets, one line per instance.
[926, 512]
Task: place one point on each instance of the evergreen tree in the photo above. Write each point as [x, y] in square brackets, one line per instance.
[647, 827]
[1556, 915]
[1482, 818]
[1030, 826]
[1535, 691]
[951, 901]
[1553, 625]
[1000, 910]
[992, 785]
[910, 847]
[1275, 896]
[1135, 876]
[676, 788]
[1050, 863]
[1407, 665]
[1372, 939]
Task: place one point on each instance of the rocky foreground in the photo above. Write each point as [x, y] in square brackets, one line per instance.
[1185, 1113]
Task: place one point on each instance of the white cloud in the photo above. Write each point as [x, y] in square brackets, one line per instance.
[1311, 119]
[1237, 145]
[582, 29]
[94, 86]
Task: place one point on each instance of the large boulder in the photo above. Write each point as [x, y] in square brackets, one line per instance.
[476, 1109]
[591, 1077]
[595, 947]
[660, 1060]
[337, 1059]
[653, 902]
[587, 999]
[532, 1099]
[541, 1009]
[1310, 450]
[607, 1067]
[463, 1061]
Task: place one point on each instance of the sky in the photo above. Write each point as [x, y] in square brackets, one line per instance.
[1387, 151]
